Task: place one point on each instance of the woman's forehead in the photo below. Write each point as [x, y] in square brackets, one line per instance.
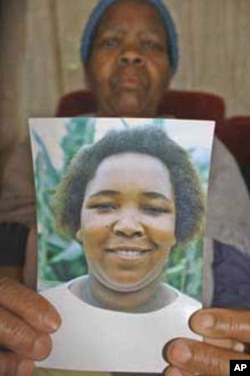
[132, 12]
[137, 170]
[130, 159]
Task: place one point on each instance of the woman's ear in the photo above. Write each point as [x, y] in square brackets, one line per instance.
[79, 235]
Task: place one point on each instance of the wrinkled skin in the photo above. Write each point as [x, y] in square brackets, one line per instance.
[224, 331]
[27, 319]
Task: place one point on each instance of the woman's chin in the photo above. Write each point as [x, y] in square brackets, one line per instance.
[125, 285]
[130, 106]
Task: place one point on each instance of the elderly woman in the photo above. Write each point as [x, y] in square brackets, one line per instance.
[127, 226]
[130, 53]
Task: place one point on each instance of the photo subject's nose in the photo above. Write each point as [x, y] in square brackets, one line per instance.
[128, 225]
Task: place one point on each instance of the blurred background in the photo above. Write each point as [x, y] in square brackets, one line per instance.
[40, 54]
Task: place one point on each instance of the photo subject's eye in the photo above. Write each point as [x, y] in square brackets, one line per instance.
[104, 207]
[154, 210]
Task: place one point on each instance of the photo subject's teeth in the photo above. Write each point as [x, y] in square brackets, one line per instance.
[129, 253]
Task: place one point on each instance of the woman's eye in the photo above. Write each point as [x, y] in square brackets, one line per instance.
[155, 210]
[104, 206]
[109, 42]
[151, 45]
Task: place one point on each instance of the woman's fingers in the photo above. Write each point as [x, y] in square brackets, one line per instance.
[18, 336]
[225, 333]
[227, 344]
[26, 320]
[28, 306]
[200, 358]
[10, 365]
[222, 323]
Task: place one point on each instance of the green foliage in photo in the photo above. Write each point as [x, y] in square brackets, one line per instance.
[62, 258]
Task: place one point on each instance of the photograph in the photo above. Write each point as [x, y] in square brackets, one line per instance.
[121, 209]
[138, 59]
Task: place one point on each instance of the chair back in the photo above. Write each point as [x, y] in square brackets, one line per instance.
[176, 103]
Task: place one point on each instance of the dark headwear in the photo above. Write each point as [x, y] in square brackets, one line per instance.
[97, 14]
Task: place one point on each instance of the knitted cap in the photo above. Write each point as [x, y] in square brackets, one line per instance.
[97, 14]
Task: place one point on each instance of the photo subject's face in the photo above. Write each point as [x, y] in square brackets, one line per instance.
[128, 221]
[129, 64]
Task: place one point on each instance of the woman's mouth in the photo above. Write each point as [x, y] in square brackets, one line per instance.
[130, 80]
[129, 254]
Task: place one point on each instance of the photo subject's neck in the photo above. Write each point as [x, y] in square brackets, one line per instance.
[150, 298]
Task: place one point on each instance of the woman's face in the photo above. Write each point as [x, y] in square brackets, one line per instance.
[128, 221]
[128, 70]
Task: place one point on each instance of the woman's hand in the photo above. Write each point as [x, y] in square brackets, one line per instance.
[226, 331]
[26, 322]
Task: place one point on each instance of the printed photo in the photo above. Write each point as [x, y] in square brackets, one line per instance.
[121, 209]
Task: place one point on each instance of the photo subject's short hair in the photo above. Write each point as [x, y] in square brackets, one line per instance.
[150, 140]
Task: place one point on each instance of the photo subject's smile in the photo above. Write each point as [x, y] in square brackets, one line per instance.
[129, 253]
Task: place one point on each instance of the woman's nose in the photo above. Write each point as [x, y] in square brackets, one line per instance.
[128, 225]
[131, 57]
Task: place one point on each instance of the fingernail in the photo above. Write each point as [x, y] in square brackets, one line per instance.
[41, 348]
[239, 347]
[206, 321]
[180, 353]
[52, 321]
[25, 368]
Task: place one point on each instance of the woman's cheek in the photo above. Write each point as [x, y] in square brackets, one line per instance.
[162, 230]
[96, 227]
